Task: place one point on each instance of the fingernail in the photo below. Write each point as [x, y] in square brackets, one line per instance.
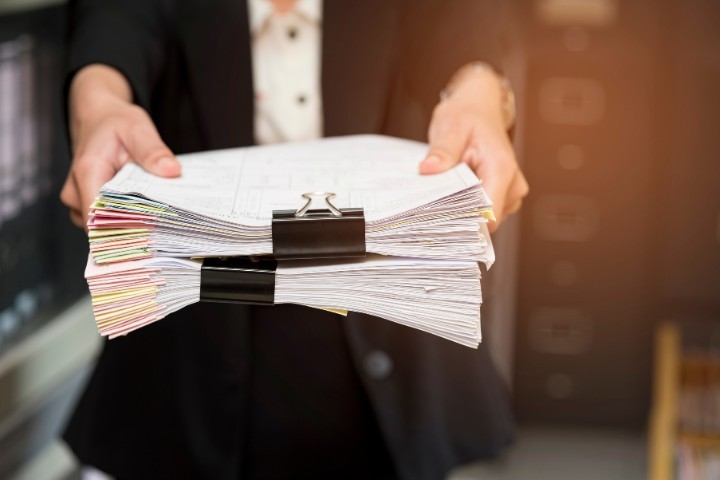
[165, 162]
[430, 164]
[168, 165]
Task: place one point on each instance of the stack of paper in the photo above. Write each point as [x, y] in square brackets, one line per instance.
[439, 297]
[223, 203]
[425, 234]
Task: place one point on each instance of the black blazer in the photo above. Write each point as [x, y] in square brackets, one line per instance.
[166, 397]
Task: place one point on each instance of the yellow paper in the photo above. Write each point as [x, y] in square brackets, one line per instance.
[106, 298]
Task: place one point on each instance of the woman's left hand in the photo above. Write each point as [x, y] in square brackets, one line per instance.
[468, 126]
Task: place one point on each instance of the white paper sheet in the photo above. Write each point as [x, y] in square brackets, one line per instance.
[244, 186]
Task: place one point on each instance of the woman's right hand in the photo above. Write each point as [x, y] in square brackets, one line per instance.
[107, 130]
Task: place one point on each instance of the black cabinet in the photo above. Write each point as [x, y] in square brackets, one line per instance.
[594, 143]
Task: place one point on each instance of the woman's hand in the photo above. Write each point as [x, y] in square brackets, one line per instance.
[107, 131]
[468, 127]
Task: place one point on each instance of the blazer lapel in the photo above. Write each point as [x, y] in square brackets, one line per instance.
[216, 38]
[358, 48]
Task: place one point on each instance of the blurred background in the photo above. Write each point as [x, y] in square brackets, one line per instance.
[603, 310]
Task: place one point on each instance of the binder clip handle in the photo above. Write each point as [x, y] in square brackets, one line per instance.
[310, 196]
[326, 232]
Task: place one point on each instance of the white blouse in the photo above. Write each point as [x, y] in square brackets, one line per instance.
[286, 62]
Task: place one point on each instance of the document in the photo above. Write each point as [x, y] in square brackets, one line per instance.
[424, 235]
[439, 297]
[245, 185]
[223, 203]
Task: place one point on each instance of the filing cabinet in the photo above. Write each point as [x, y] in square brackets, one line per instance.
[592, 139]
[622, 227]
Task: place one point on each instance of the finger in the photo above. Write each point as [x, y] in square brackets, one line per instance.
[513, 208]
[509, 198]
[496, 182]
[70, 197]
[448, 140]
[90, 174]
[69, 194]
[471, 156]
[95, 164]
[517, 191]
[146, 148]
[499, 212]
[77, 219]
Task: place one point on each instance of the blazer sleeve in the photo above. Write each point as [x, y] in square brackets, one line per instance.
[128, 35]
[440, 36]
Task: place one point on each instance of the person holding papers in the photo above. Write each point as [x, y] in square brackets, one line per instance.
[223, 392]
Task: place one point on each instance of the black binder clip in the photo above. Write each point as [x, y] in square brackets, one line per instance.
[238, 280]
[318, 233]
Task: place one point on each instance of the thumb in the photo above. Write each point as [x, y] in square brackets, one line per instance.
[446, 150]
[145, 147]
